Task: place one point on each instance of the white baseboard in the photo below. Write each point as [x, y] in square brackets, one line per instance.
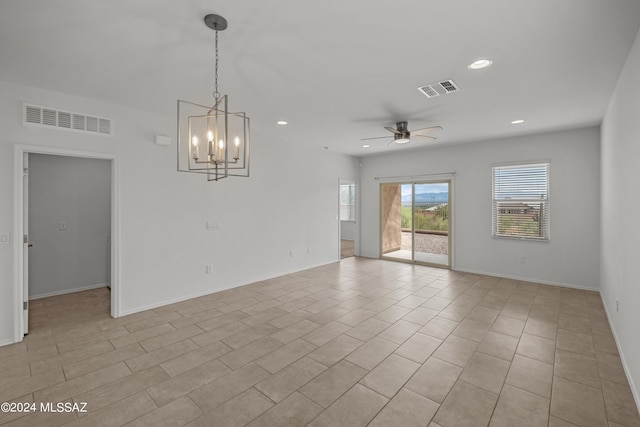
[625, 366]
[213, 291]
[528, 279]
[8, 341]
[68, 291]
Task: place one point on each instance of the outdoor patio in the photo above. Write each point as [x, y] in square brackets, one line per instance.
[430, 248]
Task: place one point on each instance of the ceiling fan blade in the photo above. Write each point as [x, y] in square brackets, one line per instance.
[429, 128]
[426, 136]
[390, 142]
[390, 129]
[375, 137]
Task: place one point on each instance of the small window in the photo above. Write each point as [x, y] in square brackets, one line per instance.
[521, 201]
[347, 202]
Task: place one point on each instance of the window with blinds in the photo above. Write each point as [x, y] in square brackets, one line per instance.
[521, 201]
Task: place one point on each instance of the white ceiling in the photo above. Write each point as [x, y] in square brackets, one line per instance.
[336, 70]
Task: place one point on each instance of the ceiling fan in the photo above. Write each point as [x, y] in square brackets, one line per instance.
[402, 135]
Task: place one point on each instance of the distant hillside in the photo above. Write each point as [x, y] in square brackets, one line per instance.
[427, 198]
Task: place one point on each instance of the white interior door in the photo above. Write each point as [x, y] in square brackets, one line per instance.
[26, 245]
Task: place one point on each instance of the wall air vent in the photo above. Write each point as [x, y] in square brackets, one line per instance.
[428, 91]
[449, 86]
[52, 118]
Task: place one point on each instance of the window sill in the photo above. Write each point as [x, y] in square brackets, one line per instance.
[525, 239]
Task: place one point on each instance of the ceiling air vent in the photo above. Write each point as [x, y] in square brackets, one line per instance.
[428, 91]
[449, 86]
[439, 88]
[77, 122]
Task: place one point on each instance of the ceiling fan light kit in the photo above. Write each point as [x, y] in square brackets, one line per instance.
[401, 134]
[211, 139]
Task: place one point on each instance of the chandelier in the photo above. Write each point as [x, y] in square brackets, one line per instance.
[211, 139]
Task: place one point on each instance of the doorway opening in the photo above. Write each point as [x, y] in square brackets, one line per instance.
[66, 216]
[415, 222]
[348, 230]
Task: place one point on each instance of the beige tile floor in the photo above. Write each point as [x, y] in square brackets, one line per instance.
[360, 342]
[347, 248]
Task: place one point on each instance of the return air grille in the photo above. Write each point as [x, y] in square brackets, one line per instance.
[428, 91]
[48, 117]
[439, 88]
[52, 118]
[64, 120]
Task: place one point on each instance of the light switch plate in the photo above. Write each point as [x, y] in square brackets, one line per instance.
[4, 239]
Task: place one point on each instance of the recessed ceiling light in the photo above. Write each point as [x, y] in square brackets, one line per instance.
[480, 64]
[517, 122]
[366, 146]
[282, 123]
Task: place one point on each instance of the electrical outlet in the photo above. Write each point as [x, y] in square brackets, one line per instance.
[209, 269]
[62, 225]
[213, 225]
[523, 259]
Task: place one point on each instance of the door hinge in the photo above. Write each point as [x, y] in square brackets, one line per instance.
[26, 239]
[25, 171]
[25, 305]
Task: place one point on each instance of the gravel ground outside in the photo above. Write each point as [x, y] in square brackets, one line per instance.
[428, 243]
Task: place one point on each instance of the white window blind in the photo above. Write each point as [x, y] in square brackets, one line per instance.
[521, 201]
[347, 202]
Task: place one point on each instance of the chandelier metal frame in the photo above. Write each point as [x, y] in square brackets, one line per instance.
[205, 132]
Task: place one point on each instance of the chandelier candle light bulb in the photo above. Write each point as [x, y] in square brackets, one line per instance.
[210, 147]
[196, 151]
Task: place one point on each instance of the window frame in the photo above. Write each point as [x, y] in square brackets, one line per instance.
[351, 206]
[495, 202]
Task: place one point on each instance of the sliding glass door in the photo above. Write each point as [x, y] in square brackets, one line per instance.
[415, 222]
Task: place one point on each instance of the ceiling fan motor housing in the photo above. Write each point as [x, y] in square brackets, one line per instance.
[402, 127]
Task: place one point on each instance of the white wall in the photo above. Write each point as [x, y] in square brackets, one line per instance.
[569, 258]
[348, 230]
[75, 191]
[289, 203]
[620, 255]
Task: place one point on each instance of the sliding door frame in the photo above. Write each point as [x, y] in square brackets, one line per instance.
[450, 209]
